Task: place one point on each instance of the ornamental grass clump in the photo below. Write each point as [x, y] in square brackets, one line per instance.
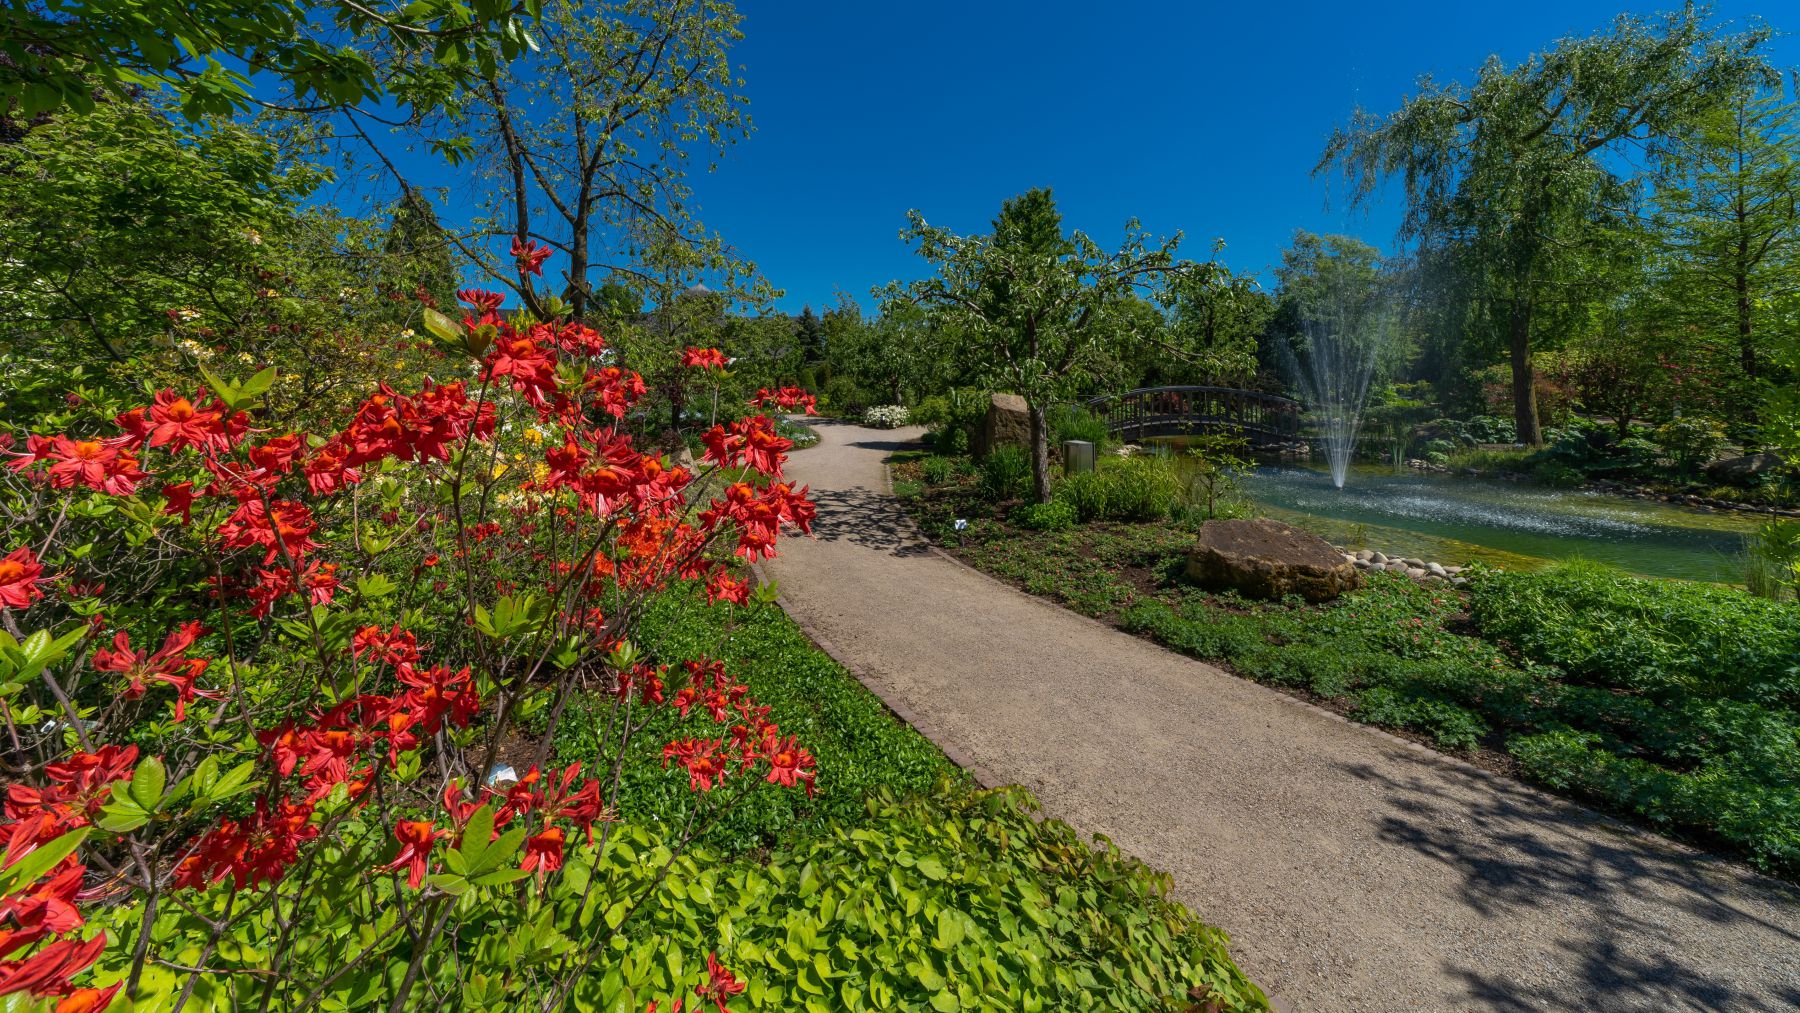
[259, 685]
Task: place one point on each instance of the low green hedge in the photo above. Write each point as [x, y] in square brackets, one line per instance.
[965, 901]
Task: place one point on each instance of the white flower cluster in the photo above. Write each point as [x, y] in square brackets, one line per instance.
[194, 349]
[885, 416]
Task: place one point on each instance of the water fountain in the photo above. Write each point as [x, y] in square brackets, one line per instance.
[1345, 331]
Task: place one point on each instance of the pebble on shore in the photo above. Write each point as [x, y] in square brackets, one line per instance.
[1417, 569]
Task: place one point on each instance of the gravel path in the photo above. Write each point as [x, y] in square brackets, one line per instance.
[1354, 871]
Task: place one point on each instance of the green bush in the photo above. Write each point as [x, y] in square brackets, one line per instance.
[1690, 442]
[860, 746]
[937, 469]
[1726, 804]
[1071, 422]
[1055, 515]
[963, 901]
[1005, 474]
[1132, 489]
[1557, 475]
[843, 396]
[951, 418]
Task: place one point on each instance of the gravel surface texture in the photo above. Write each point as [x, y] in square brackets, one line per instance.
[1353, 870]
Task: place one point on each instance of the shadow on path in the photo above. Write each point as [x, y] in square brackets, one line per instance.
[867, 518]
[1528, 853]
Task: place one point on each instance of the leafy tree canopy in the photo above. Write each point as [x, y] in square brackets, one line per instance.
[324, 55]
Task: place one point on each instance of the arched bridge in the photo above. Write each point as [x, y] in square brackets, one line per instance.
[1262, 419]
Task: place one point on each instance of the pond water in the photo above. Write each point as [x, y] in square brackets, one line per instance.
[1456, 519]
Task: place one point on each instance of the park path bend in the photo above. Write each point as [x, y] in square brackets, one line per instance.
[1354, 872]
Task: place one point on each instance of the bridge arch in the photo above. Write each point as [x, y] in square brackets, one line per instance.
[1263, 419]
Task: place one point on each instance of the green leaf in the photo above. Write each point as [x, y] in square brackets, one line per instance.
[442, 327]
[374, 585]
[121, 817]
[260, 383]
[500, 877]
[236, 781]
[43, 859]
[147, 784]
[949, 929]
[451, 884]
[476, 835]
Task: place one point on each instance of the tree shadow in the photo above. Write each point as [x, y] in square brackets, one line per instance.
[892, 446]
[867, 518]
[1619, 908]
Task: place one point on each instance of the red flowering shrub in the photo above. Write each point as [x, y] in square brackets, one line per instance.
[271, 693]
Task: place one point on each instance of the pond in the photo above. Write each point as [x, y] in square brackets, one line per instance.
[1457, 519]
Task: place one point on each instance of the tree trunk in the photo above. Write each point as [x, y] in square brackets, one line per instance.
[1040, 453]
[1525, 412]
[1746, 345]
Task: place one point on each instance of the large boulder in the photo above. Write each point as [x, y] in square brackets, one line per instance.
[1262, 558]
[1008, 423]
[1740, 470]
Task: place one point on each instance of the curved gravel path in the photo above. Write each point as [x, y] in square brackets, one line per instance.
[1354, 871]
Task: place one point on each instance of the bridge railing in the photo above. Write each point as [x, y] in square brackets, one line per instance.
[1165, 411]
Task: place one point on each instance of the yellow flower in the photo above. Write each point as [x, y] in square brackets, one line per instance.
[499, 469]
[533, 436]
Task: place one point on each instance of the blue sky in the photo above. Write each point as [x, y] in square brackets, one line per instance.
[1200, 117]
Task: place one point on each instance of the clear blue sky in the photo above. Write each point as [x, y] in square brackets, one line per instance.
[1205, 118]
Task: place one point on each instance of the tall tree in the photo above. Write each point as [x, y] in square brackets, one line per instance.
[589, 142]
[809, 331]
[1522, 163]
[1215, 317]
[420, 248]
[1728, 206]
[1043, 312]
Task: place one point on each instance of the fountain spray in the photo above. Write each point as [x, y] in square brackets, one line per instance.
[1346, 328]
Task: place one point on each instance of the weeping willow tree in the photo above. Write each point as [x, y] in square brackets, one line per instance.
[1521, 166]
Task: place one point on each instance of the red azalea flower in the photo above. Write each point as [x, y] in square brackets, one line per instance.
[259, 849]
[166, 665]
[276, 456]
[544, 851]
[47, 972]
[720, 985]
[704, 358]
[416, 838]
[20, 575]
[529, 256]
[483, 301]
[179, 499]
[251, 525]
[787, 399]
[88, 1000]
[91, 463]
[179, 423]
[789, 763]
